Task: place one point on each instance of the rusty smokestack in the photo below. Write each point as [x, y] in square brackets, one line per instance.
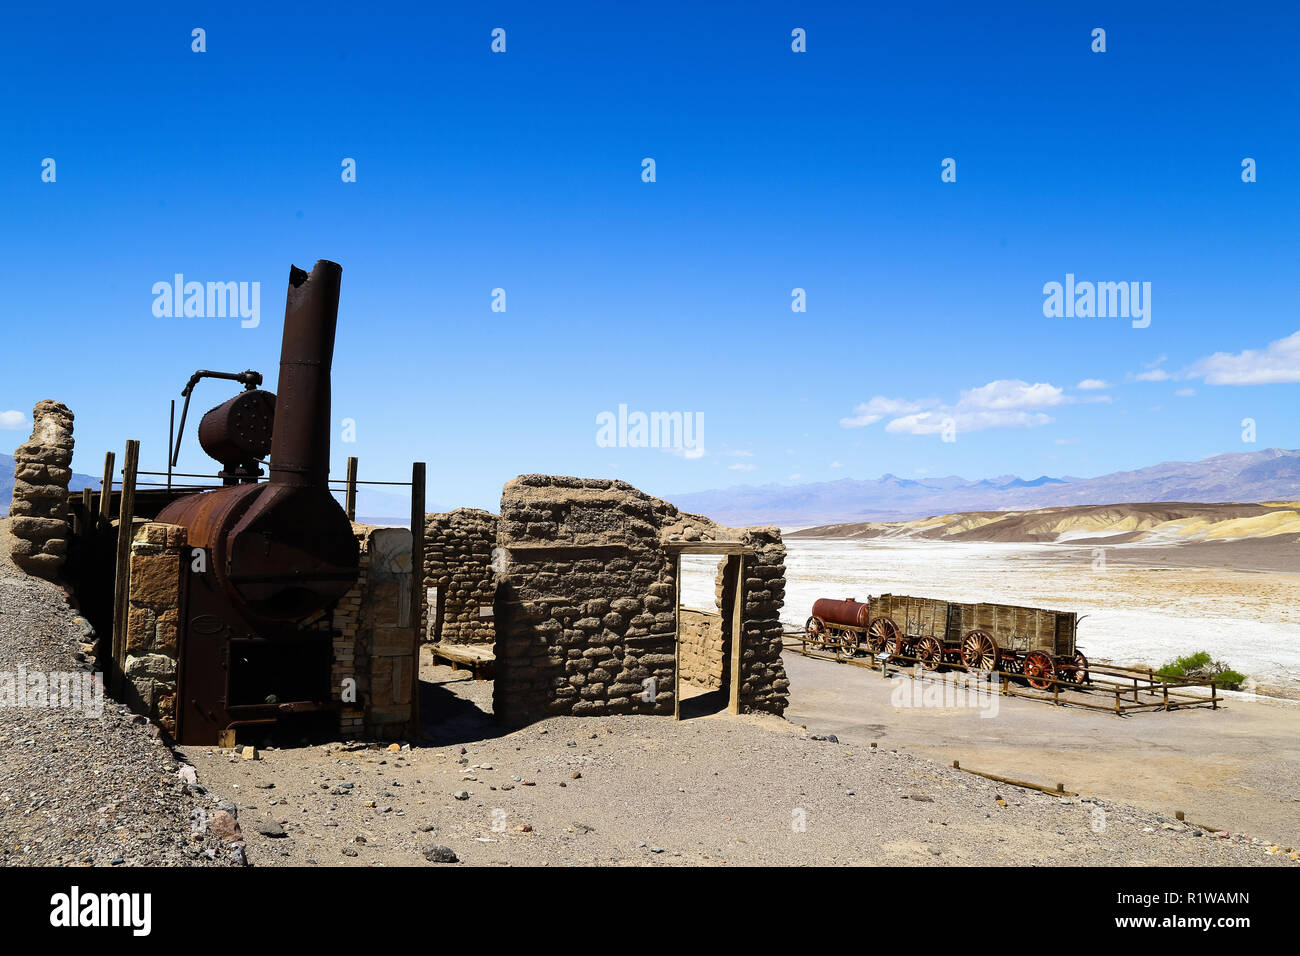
[300, 440]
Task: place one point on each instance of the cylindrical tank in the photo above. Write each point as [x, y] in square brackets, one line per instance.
[846, 613]
[238, 431]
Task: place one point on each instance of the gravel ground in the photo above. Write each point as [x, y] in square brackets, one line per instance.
[640, 790]
[630, 790]
[79, 789]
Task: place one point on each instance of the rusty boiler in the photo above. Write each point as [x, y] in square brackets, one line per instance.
[257, 614]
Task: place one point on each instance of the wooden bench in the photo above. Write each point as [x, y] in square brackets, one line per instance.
[476, 657]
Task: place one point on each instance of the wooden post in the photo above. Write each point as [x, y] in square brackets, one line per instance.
[350, 496]
[677, 636]
[1056, 694]
[1165, 686]
[417, 576]
[122, 578]
[737, 633]
[1214, 695]
[87, 512]
[1117, 710]
[106, 488]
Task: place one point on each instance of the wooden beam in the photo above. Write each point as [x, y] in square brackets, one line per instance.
[677, 637]
[417, 580]
[122, 579]
[350, 495]
[706, 547]
[737, 630]
[106, 488]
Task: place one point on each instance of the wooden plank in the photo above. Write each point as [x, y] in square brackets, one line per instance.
[706, 547]
[737, 631]
[350, 493]
[677, 637]
[417, 579]
[106, 488]
[122, 580]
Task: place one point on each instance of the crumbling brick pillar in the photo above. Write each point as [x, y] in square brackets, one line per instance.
[42, 470]
[158, 559]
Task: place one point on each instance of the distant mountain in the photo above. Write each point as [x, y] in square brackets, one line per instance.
[1269, 475]
[7, 482]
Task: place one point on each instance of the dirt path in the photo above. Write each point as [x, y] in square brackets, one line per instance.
[1237, 767]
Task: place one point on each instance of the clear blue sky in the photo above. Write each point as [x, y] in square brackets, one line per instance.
[775, 170]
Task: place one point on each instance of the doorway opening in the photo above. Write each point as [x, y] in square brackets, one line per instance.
[709, 634]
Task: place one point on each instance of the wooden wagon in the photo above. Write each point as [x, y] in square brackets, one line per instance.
[1035, 643]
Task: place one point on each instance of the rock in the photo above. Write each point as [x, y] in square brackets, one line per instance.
[188, 774]
[270, 828]
[437, 853]
[461, 795]
[224, 826]
[250, 753]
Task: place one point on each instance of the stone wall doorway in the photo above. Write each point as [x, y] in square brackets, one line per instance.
[709, 648]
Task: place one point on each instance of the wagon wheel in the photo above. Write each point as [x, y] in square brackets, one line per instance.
[980, 651]
[1080, 665]
[1039, 670]
[815, 630]
[929, 652]
[849, 642]
[881, 629]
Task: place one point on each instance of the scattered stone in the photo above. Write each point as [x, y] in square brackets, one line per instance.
[437, 853]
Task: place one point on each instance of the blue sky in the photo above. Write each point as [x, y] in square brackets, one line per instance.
[775, 170]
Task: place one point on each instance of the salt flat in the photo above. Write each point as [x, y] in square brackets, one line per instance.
[1136, 614]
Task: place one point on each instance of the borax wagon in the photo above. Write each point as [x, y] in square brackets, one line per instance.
[1033, 643]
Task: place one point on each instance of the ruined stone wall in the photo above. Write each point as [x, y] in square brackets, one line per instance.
[158, 559]
[586, 598]
[702, 661]
[42, 470]
[764, 686]
[458, 563]
[374, 653]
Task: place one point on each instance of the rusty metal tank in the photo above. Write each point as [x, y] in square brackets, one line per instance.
[278, 555]
[846, 613]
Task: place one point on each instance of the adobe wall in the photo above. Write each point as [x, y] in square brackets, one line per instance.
[458, 549]
[586, 598]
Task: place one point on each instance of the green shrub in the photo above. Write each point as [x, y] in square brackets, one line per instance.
[1200, 666]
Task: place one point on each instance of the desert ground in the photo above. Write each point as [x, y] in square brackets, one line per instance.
[714, 789]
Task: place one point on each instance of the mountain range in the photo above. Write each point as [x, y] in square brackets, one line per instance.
[1269, 475]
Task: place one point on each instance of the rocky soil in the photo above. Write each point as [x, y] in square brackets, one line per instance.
[645, 790]
[80, 789]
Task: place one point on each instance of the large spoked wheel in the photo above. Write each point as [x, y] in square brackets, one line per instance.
[1039, 670]
[849, 642]
[815, 630]
[1079, 664]
[980, 651]
[879, 633]
[929, 652]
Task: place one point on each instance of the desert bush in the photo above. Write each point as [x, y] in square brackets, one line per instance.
[1200, 666]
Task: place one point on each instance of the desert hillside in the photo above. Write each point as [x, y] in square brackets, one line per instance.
[1153, 523]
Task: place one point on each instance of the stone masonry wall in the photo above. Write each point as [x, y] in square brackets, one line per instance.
[702, 661]
[375, 653]
[585, 603]
[458, 549]
[42, 470]
[158, 556]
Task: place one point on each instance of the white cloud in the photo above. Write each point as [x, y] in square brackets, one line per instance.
[1154, 375]
[13, 420]
[1092, 384]
[1274, 364]
[741, 466]
[795, 477]
[1185, 392]
[837, 464]
[1004, 403]
[870, 412]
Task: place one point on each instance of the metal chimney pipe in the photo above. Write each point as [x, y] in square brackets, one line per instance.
[300, 439]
